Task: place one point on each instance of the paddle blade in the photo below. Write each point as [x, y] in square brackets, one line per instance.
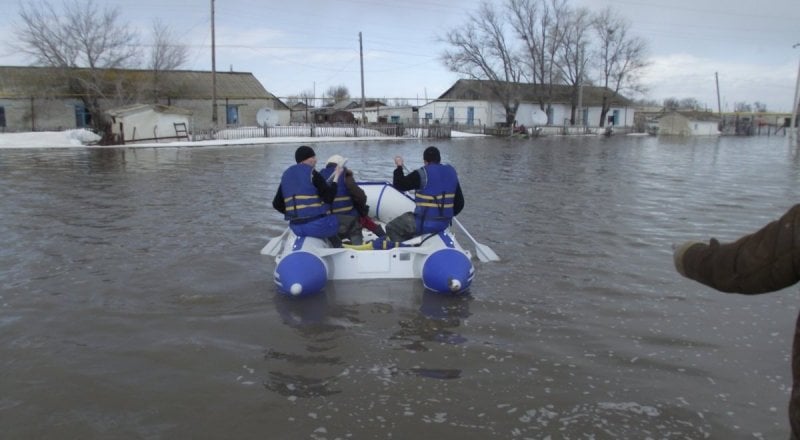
[273, 247]
[485, 253]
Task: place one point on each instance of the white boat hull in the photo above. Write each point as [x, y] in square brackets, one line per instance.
[305, 264]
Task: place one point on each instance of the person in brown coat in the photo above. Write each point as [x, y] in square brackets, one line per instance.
[764, 261]
[350, 204]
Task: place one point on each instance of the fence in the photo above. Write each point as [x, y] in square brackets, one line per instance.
[314, 130]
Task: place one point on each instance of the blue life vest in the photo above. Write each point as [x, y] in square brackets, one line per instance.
[303, 203]
[436, 197]
[343, 203]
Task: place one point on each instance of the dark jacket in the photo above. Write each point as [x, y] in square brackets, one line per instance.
[413, 181]
[764, 261]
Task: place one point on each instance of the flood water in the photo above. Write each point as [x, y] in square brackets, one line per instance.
[134, 302]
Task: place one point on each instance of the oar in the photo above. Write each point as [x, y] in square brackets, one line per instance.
[274, 246]
[485, 253]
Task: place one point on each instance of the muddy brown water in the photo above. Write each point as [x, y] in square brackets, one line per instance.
[134, 302]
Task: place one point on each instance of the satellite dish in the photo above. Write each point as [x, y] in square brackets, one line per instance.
[266, 116]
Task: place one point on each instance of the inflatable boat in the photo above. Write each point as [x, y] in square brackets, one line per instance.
[305, 264]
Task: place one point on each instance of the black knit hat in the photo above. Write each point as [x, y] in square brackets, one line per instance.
[303, 152]
[431, 154]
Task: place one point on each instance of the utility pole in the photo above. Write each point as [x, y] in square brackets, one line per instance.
[580, 86]
[213, 71]
[719, 105]
[363, 101]
[795, 102]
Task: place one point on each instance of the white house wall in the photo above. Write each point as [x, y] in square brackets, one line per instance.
[248, 108]
[59, 114]
[39, 114]
[528, 114]
[704, 128]
[439, 112]
[149, 124]
[401, 114]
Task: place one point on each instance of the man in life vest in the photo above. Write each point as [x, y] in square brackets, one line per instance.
[763, 261]
[438, 197]
[304, 197]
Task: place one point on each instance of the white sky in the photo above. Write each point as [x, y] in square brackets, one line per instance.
[297, 45]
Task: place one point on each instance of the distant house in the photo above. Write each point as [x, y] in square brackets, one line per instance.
[144, 122]
[38, 98]
[335, 113]
[301, 113]
[688, 123]
[471, 102]
[355, 104]
[385, 114]
[328, 115]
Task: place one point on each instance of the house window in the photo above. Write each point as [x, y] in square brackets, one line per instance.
[83, 118]
[470, 116]
[232, 114]
[451, 115]
[2, 117]
[428, 116]
[395, 119]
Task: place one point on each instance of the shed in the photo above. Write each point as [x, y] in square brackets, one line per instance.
[149, 122]
[689, 124]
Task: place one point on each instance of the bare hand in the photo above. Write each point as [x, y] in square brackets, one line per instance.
[398, 161]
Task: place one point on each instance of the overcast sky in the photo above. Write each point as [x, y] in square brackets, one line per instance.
[297, 45]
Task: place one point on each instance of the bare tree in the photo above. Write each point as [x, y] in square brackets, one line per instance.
[481, 51]
[672, 103]
[572, 59]
[306, 97]
[541, 24]
[690, 104]
[82, 41]
[621, 57]
[336, 94]
[165, 54]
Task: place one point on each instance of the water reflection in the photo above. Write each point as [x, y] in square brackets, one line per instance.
[438, 318]
[105, 160]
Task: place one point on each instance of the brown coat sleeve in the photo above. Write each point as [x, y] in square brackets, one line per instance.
[356, 193]
[764, 261]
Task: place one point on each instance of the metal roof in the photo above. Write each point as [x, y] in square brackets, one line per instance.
[20, 82]
[479, 90]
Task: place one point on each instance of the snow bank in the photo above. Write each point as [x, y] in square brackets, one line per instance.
[48, 139]
[81, 137]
